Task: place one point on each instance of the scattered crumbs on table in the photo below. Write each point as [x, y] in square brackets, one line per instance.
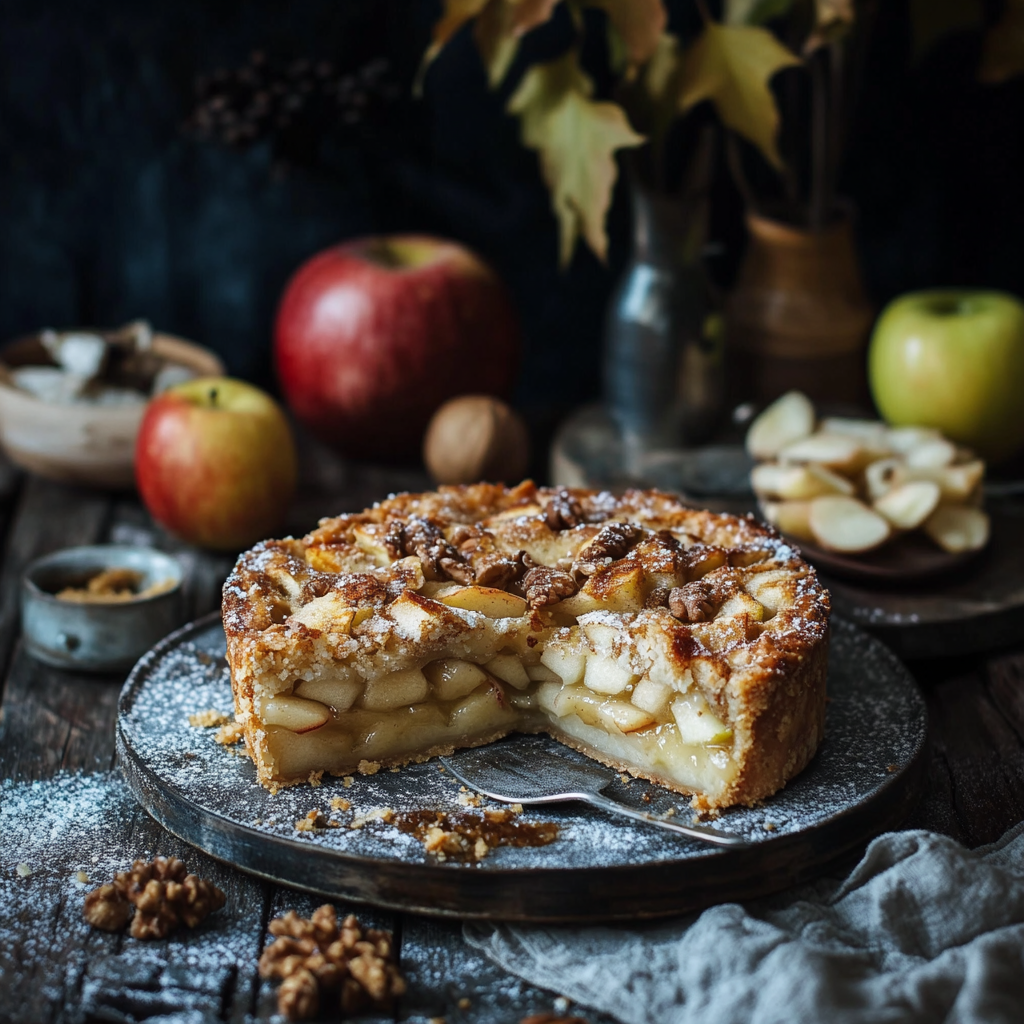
[467, 799]
[315, 778]
[23, 870]
[211, 718]
[516, 808]
[312, 822]
[82, 878]
[436, 1020]
[646, 798]
[339, 803]
[385, 814]
[395, 768]
[347, 781]
[625, 779]
[465, 1003]
[890, 768]
[769, 826]
[229, 734]
[562, 1005]
[368, 767]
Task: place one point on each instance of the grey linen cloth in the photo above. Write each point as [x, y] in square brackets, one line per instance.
[923, 929]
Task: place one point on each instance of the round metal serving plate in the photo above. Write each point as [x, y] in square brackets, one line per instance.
[863, 780]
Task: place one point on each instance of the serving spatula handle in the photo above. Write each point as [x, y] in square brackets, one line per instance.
[702, 832]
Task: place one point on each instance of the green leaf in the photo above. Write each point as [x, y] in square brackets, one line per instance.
[832, 20]
[576, 138]
[754, 12]
[638, 23]
[731, 66]
[1003, 54]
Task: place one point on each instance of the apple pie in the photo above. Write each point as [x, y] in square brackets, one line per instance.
[681, 646]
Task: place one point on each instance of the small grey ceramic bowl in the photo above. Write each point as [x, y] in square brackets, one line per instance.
[97, 637]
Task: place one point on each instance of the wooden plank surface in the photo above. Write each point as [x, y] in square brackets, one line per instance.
[54, 722]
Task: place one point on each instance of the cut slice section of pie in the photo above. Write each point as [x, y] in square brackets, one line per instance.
[681, 646]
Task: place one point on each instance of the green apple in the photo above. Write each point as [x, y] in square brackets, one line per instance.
[953, 359]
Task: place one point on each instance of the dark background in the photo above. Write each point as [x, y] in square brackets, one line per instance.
[109, 211]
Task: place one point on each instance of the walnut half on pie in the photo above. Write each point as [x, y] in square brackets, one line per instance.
[681, 646]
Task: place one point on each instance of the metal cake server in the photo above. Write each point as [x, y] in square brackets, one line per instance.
[523, 771]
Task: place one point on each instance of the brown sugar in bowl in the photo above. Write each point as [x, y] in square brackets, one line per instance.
[93, 445]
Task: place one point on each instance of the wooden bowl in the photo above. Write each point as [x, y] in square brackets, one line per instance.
[92, 445]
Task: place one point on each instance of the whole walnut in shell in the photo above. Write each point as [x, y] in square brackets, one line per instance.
[473, 438]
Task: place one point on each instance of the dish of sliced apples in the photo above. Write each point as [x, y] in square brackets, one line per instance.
[852, 486]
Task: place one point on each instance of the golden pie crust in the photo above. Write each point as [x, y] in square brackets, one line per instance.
[683, 646]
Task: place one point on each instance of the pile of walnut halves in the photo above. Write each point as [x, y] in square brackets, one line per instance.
[321, 962]
[162, 895]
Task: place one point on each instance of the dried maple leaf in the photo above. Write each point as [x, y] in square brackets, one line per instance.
[639, 24]
[499, 28]
[1003, 53]
[576, 138]
[731, 65]
[499, 25]
[832, 20]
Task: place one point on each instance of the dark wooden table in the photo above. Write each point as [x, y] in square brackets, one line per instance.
[51, 722]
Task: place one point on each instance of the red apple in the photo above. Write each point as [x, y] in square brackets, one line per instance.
[215, 462]
[374, 335]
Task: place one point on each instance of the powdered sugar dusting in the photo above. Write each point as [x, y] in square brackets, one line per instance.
[875, 728]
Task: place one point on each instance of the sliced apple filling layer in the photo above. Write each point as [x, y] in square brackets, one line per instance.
[681, 646]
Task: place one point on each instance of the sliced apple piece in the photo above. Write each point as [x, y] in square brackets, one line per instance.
[339, 694]
[294, 713]
[792, 517]
[395, 690]
[451, 678]
[626, 717]
[698, 724]
[328, 614]
[568, 665]
[903, 439]
[489, 601]
[605, 676]
[933, 454]
[652, 696]
[741, 604]
[958, 528]
[542, 674]
[872, 434]
[848, 525]
[787, 419]
[481, 713]
[796, 482]
[838, 452]
[547, 695]
[957, 483]
[575, 700]
[909, 505]
[509, 669]
[883, 475]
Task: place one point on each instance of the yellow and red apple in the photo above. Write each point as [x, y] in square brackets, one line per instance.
[215, 462]
[953, 359]
[373, 336]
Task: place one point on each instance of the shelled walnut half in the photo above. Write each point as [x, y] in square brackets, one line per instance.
[321, 962]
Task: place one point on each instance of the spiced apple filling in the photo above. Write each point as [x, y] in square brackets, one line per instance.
[684, 647]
